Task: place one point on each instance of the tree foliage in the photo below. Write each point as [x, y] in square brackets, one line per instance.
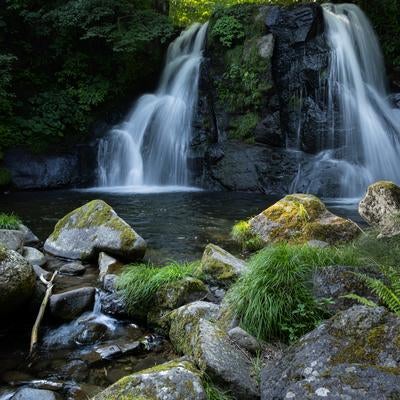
[62, 63]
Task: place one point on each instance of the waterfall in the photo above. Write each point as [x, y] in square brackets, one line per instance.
[151, 146]
[361, 118]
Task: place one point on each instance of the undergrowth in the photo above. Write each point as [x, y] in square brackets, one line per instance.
[273, 299]
[9, 221]
[213, 392]
[139, 283]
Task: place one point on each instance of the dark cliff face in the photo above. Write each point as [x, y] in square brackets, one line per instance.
[257, 143]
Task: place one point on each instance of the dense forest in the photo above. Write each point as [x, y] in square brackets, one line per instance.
[66, 64]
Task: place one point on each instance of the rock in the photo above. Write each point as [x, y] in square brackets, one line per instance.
[74, 268]
[12, 239]
[395, 99]
[171, 381]
[243, 339]
[110, 283]
[184, 323]
[337, 281]
[216, 355]
[268, 131]
[39, 271]
[17, 281]
[91, 229]
[34, 256]
[220, 267]
[354, 355]
[108, 265]
[71, 304]
[381, 207]
[113, 304]
[35, 394]
[298, 218]
[30, 239]
[318, 244]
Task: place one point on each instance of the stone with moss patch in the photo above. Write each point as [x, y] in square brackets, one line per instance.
[220, 267]
[17, 281]
[299, 218]
[85, 232]
[354, 355]
[380, 207]
[175, 380]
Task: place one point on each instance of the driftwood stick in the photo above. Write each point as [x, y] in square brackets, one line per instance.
[36, 326]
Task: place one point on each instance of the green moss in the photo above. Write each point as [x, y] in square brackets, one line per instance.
[5, 177]
[242, 234]
[3, 253]
[92, 214]
[244, 127]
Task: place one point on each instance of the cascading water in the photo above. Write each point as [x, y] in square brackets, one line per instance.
[151, 146]
[362, 143]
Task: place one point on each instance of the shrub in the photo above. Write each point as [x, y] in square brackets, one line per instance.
[227, 29]
[139, 283]
[5, 177]
[244, 127]
[9, 221]
[274, 300]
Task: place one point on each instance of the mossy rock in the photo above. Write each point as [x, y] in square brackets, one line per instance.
[220, 267]
[299, 218]
[178, 380]
[93, 228]
[380, 207]
[17, 281]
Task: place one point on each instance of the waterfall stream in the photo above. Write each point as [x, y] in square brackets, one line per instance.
[362, 140]
[150, 147]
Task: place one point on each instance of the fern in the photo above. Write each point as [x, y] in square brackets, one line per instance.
[362, 300]
[388, 293]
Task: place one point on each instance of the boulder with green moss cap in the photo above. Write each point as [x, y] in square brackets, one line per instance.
[380, 207]
[220, 267]
[297, 218]
[354, 355]
[175, 380]
[17, 281]
[91, 229]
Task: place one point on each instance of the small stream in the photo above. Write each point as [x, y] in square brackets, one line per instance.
[80, 358]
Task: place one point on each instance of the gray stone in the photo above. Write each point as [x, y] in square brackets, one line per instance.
[318, 244]
[220, 267]
[74, 268]
[243, 339]
[110, 282]
[12, 239]
[71, 304]
[91, 229]
[381, 207]
[216, 355]
[354, 355]
[184, 323]
[171, 381]
[266, 46]
[34, 256]
[30, 239]
[35, 394]
[17, 281]
[39, 271]
[108, 265]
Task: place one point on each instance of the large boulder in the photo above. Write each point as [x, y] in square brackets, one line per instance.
[299, 218]
[92, 228]
[11, 239]
[69, 305]
[171, 381]
[220, 267]
[354, 355]
[17, 280]
[34, 256]
[30, 239]
[381, 207]
[35, 394]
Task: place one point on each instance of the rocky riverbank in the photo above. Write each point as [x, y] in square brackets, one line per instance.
[219, 326]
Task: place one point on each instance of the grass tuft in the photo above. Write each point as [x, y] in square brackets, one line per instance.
[213, 392]
[9, 221]
[242, 234]
[139, 283]
[273, 299]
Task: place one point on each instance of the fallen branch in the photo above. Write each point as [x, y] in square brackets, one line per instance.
[49, 288]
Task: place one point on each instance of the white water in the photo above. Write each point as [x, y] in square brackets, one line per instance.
[358, 104]
[150, 147]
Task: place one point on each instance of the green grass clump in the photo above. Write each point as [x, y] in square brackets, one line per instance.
[139, 283]
[9, 221]
[274, 299]
[213, 392]
[242, 234]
